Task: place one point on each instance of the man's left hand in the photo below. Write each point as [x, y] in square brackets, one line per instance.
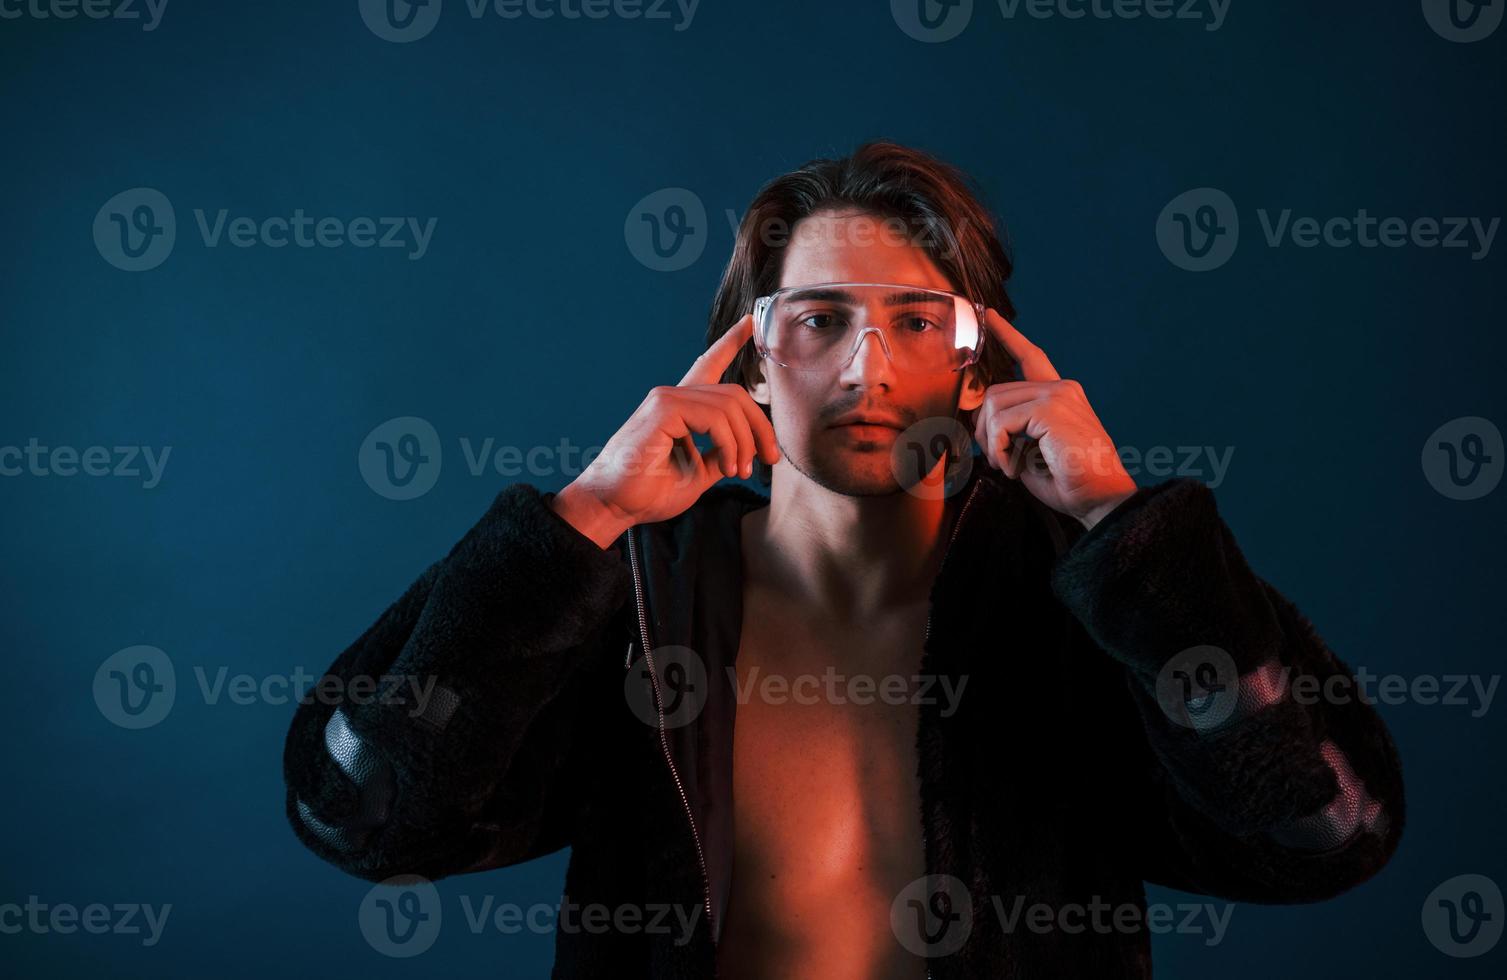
[1043, 432]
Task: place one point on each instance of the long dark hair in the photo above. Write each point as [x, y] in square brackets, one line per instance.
[933, 203]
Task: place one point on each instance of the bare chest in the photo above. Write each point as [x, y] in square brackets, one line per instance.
[827, 808]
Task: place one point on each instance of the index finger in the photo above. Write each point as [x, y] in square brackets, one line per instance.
[708, 368]
[1034, 365]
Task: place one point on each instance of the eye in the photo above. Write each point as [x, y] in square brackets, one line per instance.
[819, 321]
[917, 324]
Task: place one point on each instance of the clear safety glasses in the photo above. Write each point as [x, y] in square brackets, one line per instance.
[820, 327]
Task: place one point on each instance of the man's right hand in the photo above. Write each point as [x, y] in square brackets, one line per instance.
[651, 470]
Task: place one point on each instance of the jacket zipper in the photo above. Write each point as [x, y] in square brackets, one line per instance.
[664, 741]
[956, 527]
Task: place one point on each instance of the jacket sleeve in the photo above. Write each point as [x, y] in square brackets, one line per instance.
[1264, 774]
[449, 737]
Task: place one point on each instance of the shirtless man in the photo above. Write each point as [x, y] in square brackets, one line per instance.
[807, 821]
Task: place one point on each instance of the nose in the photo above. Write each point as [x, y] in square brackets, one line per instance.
[870, 364]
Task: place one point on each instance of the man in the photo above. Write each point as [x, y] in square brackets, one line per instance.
[1096, 686]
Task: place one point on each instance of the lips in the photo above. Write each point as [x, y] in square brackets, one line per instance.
[870, 419]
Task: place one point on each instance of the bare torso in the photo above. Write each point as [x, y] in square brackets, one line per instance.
[827, 809]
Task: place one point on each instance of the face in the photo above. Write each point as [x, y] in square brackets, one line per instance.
[849, 246]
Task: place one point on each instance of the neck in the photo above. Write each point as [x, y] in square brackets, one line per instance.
[854, 557]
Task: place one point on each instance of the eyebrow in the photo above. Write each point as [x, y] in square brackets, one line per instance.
[832, 295]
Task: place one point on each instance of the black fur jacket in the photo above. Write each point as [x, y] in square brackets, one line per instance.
[1130, 715]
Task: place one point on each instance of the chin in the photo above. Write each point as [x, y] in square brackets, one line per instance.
[853, 471]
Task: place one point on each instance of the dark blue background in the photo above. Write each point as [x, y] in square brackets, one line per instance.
[530, 320]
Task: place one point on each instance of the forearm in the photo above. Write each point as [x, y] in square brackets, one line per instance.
[1161, 586]
[464, 668]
